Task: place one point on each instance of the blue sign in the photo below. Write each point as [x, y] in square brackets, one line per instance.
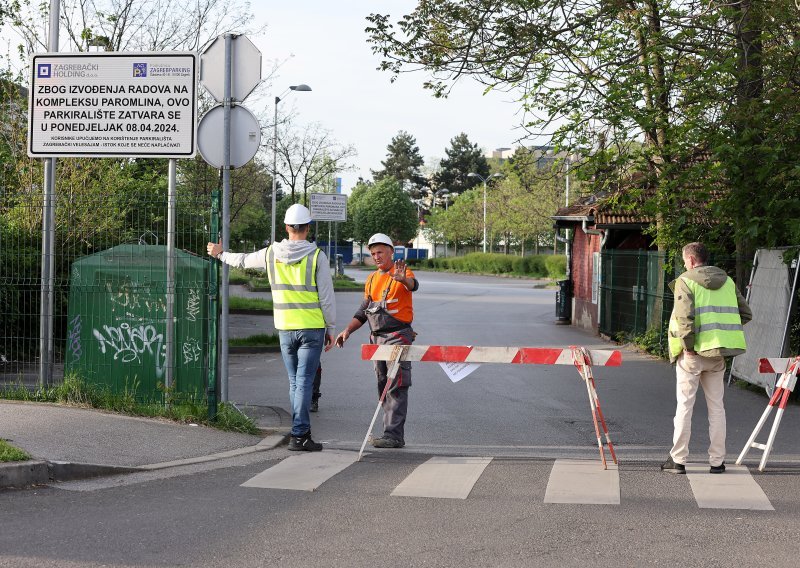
[338, 185]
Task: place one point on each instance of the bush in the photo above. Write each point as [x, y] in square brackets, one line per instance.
[540, 266]
[556, 265]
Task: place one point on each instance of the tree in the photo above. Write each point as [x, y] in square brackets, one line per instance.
[347, 230]
[462, 158]
[673, 75]
[132, 25]
[308, 157]
[386, 208]
[404, 162]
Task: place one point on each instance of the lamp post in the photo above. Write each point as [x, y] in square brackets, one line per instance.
[443, 191]
[302, 88]
[484, 180]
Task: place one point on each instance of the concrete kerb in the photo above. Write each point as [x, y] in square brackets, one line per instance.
[40, 472]
[273, 423]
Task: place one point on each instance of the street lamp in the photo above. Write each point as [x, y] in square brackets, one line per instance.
[443, 191]
[483, 179]
[301, 87]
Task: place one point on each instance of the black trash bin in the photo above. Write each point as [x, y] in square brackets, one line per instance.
[564, 302]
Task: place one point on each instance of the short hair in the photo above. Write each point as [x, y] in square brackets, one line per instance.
[698, 251]
[298, 228]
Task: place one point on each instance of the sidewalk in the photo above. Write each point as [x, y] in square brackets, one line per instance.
[71, 443]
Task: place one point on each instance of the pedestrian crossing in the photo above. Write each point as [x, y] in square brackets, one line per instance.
[571, 481]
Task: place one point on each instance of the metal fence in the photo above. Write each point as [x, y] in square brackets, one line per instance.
[109, 285]
[634, 297]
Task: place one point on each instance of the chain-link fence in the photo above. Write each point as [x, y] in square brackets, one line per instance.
[109, 279]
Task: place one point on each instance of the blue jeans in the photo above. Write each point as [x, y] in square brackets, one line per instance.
[301, 350]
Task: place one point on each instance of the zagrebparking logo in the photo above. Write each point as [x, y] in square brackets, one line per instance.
[43, 71]
[140, 69]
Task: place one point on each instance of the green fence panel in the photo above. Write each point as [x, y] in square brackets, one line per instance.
[116, 321]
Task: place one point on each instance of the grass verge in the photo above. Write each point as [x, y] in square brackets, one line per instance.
[180, 407]
[9, 453]
[259, 340]
[239, 303]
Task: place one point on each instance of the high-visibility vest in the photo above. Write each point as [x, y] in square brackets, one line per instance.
[717, 322]
[295, 299]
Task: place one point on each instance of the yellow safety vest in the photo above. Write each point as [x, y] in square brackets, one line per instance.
[295, 299]
[717, 323]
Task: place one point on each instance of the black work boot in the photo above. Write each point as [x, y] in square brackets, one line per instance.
[671, 467]
[304, 443]
[314, 404]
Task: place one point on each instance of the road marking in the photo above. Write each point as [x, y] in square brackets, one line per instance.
[443, 477]
[303, 472]
[734, 489]
[584, 482]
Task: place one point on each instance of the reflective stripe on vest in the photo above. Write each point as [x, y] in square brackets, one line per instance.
[295, 299]
[717, 323]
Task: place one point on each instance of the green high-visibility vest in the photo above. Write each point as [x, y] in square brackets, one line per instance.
[295, 299]
[717, 323]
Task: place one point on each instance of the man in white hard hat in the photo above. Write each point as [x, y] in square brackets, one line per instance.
[388, 307]
[304, 309]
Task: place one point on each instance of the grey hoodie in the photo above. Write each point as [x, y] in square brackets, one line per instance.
[292, 252]
[712, 278]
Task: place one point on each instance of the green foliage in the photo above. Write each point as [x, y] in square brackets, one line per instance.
[262, 339]
[385, 208]
[689, 112]
[239, 303]
[230, 419]
[403, 163]
[73, 390]
[9, 453]
[538, 266]
[462, 157]
[653, 341]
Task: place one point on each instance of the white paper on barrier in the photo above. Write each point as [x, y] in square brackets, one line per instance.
[457, 371]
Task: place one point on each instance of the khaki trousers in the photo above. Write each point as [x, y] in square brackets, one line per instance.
[692, 371]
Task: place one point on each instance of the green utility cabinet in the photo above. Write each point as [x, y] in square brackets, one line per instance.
[116, 323]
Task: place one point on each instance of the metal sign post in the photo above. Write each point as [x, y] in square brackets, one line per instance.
[230, 70]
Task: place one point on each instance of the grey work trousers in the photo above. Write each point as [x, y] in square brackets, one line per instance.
[395, 405]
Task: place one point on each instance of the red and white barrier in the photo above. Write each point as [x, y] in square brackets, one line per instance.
[582, 358]
[512, 355]
[788, 367]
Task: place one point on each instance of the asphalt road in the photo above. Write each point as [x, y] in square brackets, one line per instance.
[523, 417]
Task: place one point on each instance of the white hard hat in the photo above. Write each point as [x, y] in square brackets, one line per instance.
[297, 215]
[380, 239]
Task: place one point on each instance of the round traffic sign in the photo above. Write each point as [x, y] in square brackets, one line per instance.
[245, 136]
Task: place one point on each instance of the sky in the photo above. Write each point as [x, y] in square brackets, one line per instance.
[322, 44]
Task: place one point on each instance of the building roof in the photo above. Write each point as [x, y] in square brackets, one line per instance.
[601, 210]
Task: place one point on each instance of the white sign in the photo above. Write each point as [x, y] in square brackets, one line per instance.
[113, 105]
[328, 207]
[457, 371]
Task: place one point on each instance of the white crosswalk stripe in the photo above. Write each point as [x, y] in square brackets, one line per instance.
[583, 482]
[304, 472]
[734, 489]
[443, 477]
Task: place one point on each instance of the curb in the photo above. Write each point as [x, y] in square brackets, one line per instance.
[40, 472]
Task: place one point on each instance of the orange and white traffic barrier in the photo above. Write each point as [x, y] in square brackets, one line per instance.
[582, 358]
[788, 367]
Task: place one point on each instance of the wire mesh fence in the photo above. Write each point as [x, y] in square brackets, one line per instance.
[109, 278]
[635, 298]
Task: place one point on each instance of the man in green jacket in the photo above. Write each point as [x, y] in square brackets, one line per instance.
[705, 327]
